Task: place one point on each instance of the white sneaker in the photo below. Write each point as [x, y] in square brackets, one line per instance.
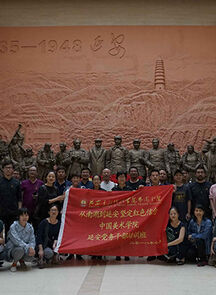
[13, 268]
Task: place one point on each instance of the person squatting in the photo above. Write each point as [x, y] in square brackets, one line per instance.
[30, 208]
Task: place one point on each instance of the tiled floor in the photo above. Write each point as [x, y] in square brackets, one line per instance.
[136, 277]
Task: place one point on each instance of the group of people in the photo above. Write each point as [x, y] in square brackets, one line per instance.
[30, 211]
[116, 158]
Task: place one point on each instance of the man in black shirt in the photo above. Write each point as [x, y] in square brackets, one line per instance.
[181, 197]
[199, 191]
[134, 181]
[10, 195]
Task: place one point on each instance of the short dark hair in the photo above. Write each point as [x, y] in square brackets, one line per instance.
[86, 169]
[7, 162]
[162, 170]
[200, 167]
[75, 175]
[178, 171]
[133, 167]
[50, 171]
[60, 168]
[119, 173]
[199, 206]
[22, 211]
[54, 205]
[154, 170]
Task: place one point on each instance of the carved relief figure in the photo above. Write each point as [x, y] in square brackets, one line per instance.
[79, 158]
[190, 161]
[118, 157]
[97, 158]
[4, 152]
[156, 156]
[63, 157]
[28, 161]
[172, 160]
[45, 161]
[211, 162]
[137, 157]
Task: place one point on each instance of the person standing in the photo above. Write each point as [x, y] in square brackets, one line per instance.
[30, 189]
[61, 183]
[199, 191]
[46, 194]
[180, 198]
[85, 182]
[121, 178]
[10, 196]
[134, 182]
[107, 184]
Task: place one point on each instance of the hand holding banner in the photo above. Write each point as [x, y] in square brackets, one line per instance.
[115, 223]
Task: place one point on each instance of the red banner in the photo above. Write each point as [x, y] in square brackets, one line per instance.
[115, 223]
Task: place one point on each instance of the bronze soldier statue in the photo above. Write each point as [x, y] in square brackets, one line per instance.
[79, 158]
[97, 158]
[172, 160]
[190, 161]
[4, 152]
[28, 161]
[45, 161]
[63, 157]
[118, 157]
[210, 162]
[138, 158]
[156, 156]
[16, 151]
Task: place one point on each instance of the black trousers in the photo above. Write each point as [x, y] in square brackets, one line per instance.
[197, 249]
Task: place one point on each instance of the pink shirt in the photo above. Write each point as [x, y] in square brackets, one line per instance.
[212, 197]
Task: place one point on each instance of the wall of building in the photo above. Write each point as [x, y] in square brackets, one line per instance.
[104, 12]
[98, 81]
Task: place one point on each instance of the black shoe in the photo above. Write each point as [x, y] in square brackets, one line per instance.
[79, 257]
[1, 263]
[118, 258]
[70, 256]
[127, 258]
[202, 263]
[151, 258]
[162, 258]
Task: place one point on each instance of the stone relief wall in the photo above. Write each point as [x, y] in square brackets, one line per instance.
[88, 82]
